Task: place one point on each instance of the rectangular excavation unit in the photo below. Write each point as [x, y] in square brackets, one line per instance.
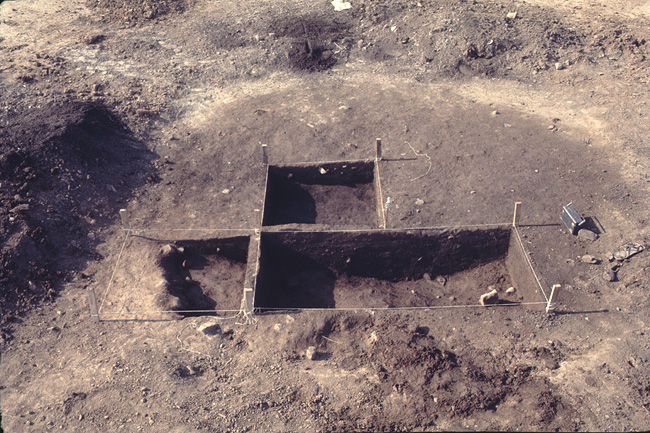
[386, 269]
[340, 194]
[323, 244]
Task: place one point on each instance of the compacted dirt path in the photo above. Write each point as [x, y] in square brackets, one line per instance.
[161, 108]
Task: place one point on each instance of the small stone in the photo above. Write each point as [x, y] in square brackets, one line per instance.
[511, 290]
[225, 191]
[587, 258]
[210, 328]
[419, 202]
[559, 66]
[91, 236]
[609, 275]
[92, 38]
[511, 15]
[452, 298]
[495, 113]
[441, 280]
[322, 170]
[20, 208]
[489, 298]
[278, 327]
[310, 353]
[587, 235]
[610, 256]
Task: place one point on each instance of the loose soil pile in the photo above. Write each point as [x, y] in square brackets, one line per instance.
[65, 170]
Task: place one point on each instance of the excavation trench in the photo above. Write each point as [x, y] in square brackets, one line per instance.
[204, 274]
[391, 269]
[333, 194]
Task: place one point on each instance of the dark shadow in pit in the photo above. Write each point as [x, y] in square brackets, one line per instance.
[288, 202]
[332, 193]
[290, 279]
[300, 270]
[592, 223]
[206, 274]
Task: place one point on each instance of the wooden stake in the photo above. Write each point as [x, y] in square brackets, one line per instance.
[248, 300]
[515, 217]
[92, 304]
[265, 154]
[550, 306]
[258, 216]
[378, 149]
[124, 214]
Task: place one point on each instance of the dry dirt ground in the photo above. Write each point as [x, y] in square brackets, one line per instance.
[161, 107]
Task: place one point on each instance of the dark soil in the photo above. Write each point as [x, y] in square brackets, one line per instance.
[65, 170]
[132, 12]
[205, 275]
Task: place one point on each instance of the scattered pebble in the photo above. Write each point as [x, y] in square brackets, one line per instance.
[419, 202]
[609, 275]
[587, 258]
[559, 66]
[511, 290]
[310, 353]
[489, 298]
[587, 235]
[322, 170]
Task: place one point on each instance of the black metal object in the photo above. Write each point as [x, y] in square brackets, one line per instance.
[572, 218]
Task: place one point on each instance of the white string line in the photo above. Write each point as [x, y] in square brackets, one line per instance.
[530, 264]
[347, 162]
[188, 230]
[117, 262]
[408, 229]
[420, 154]
[172, 311]
[381, 196]
[432, 307]
[270, 229]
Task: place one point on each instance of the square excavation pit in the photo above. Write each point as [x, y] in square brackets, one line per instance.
[203, 274]
[177, 277]
[334, 194]
[390, 269]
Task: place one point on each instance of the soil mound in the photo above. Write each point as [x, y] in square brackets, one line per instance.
[64, 172]
[409, 364]
[135, 11]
